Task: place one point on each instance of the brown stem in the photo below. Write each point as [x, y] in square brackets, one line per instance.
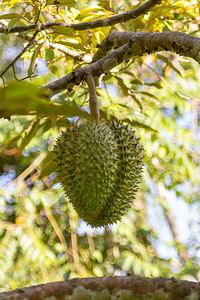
[93, 101]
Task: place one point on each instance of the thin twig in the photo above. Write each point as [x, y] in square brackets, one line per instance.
[59, 233]
[28, 46]
[21, 79]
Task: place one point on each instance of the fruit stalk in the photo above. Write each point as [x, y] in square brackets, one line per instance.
[93, 101]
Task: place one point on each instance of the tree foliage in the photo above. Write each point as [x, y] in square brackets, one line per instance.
[155, 92]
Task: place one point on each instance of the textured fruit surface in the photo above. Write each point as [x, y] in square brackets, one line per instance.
[99, 166]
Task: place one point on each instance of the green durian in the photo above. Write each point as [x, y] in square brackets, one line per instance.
[99, 166]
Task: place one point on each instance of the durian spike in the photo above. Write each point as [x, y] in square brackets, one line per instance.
[93, 101]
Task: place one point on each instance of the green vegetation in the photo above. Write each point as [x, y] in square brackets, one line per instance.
[42, 238]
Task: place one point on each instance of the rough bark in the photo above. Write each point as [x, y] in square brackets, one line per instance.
[109, 288]
[128, 44]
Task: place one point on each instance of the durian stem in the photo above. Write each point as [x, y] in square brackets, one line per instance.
[93, 101]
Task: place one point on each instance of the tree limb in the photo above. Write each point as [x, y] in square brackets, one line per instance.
[130, 15]
[127, 287]
[130, 44]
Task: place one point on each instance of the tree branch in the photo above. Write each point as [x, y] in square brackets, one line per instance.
[133, 14]
[149, 42]
[130, 44]
[119, 287]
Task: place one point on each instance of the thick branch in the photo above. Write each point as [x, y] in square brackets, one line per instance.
[122, 288]
[149, 42]
[143, 9]
[133, 43]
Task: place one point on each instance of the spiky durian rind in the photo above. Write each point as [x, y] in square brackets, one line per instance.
[99, 166]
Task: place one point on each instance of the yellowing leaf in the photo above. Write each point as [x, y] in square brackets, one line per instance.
[13, 2]
[64, 30]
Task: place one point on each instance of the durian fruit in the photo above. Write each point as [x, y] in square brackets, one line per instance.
[99, 166]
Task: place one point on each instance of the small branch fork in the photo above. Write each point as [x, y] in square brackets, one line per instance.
[11, 64]
[93, 101]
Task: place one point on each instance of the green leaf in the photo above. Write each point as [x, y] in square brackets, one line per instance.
[9, 16]
[27, 99]
[29, 134]
[28, 15]
[33, 58]
[74, 45]
[12, 23]
[64, 30]
[148, 94]
[137, 80]
[47, 165]
[11, 141]
[54, 69]
[49, 54]
[137, 101]
[122, 85]
[155, 84]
